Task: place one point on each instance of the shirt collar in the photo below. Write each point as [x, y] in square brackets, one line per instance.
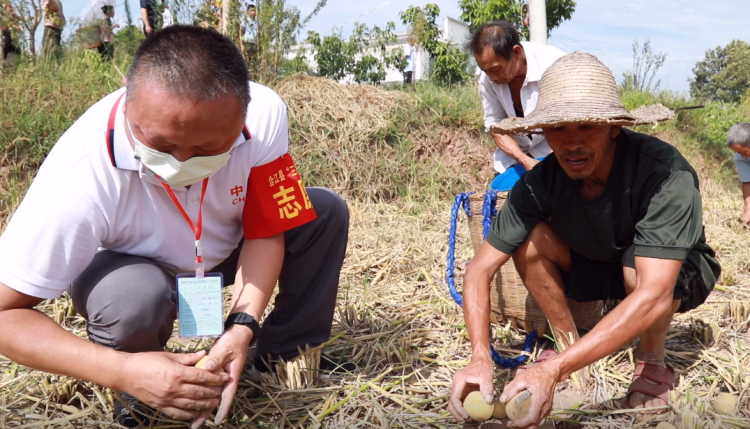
[124, 154]
[533, 70]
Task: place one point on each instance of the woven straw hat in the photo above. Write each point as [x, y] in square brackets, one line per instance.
[578, 88]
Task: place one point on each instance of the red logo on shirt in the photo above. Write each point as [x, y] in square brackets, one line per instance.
[236, 191]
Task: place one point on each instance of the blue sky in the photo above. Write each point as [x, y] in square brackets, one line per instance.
[684, 29]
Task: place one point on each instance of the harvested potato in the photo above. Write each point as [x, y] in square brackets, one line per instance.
[499, 411]
[476, 408]
[202, 363]
[665, 425]
[518, 406]
[725, 403]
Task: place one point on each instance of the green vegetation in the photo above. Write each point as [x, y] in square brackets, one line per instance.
[42, 100]
[450, 61]
[724, 75]
[337, 57]
[478, 12]
[706, 127]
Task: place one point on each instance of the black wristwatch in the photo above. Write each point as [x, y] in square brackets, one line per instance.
[246, 320]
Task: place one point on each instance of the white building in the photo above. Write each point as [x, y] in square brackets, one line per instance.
[453, 30]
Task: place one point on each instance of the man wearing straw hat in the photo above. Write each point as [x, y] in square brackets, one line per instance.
[509, 87]
[614, 215]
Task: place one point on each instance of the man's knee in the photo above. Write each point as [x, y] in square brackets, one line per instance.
[330, 207]
[542, 244]
[129, 304]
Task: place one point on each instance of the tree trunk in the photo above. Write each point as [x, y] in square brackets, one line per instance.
[225, 9]
[32, 41]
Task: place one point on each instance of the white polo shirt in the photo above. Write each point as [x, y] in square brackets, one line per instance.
[89, 196]
[498, 102]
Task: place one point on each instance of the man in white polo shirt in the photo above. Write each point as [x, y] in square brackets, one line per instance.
[177, 172]
[509, 87]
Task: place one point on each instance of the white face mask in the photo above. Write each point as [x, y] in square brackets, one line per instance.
[177, 173]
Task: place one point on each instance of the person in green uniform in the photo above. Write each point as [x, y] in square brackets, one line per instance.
[613, 215]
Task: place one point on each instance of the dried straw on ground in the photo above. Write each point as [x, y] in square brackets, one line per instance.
[328, 110]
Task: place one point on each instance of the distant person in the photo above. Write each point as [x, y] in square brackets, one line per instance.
[148, 14]
[509, 87]
[106, 48]
[738, 139]
[251, 30]
[166, 15]
[409, 55]
[10, 49]
[93, 29]
[54, 20]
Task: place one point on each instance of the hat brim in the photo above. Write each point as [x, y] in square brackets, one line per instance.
[537, 120]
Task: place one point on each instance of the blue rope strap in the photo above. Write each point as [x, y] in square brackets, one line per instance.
[488, 211]
[461, 199]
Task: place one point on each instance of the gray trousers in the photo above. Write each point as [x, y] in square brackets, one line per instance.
[130, 302]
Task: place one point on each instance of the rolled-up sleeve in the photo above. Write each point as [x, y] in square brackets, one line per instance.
[517, 218]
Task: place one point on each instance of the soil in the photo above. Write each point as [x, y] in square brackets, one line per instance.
[464, 153]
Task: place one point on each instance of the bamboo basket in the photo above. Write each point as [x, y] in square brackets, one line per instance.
[511, 302]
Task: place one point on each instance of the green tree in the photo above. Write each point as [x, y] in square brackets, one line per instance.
[277, 26]
[450, 62]
[364, 55]
[478, 12]
[28, 15]
[646, 64]
[724, 74]
[422, 26]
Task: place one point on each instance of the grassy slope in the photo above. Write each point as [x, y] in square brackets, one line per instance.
[394, 316]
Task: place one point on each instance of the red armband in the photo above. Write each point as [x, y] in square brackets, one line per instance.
[276, 201]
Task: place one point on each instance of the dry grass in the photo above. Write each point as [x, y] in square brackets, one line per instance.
[338, 124]
[396, 321]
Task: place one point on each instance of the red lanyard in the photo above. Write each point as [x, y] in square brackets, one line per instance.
[198, 227]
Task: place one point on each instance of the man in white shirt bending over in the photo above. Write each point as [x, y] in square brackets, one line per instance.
[509, 87]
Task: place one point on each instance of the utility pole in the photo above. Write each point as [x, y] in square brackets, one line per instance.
[538, 21]
[226, 6]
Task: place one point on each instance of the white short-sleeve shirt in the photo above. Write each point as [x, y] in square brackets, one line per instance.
[498, 102]
[89, 196]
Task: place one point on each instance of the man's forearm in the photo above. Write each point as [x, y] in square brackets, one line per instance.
[144, 16]
[32, 339]
[746, 195]
[258, 270]
[476, 297]
[510, 146]
[634, 315]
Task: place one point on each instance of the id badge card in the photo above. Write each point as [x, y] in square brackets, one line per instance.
[200, 309]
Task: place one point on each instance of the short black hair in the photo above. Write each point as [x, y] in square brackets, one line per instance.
[501, 35]
[196, 63]
[250, 7]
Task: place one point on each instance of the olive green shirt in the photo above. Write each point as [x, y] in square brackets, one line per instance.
[651, 199]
